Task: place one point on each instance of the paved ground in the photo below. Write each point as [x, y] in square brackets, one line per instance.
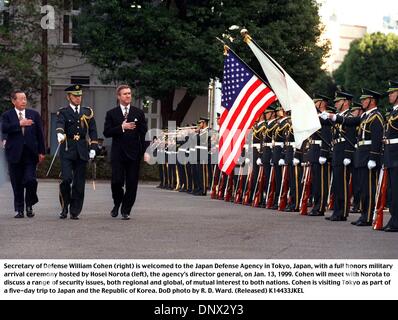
[170, 225]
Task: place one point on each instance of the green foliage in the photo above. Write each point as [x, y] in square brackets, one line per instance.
[162, 47]
[370, 63]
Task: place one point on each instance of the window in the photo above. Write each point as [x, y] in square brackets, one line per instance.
[80, 80]
[72, 10]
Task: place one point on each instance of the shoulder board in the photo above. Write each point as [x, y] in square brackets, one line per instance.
[376, 115]
[62, 109]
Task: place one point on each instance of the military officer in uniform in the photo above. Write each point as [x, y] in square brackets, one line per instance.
[342, 156]
[77, 134]
[319, 158]
[391, 156]
[368, 155]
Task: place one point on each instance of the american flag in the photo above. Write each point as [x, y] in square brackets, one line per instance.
[245, 98]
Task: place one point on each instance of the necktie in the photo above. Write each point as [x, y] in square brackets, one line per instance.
[21, 118]
[77, 110]
[126, 113]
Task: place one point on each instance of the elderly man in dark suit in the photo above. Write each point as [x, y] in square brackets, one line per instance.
[127, 127]
[24, 149]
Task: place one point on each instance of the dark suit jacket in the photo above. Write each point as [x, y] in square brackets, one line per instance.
[128, 145]
[33, 138]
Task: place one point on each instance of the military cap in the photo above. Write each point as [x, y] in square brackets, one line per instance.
[271, 108]
[320, 97]
[356, 106]
[204, 119]
[340, 95]
[393, 86]
[366, 93]
[76, 90]
[277, 106]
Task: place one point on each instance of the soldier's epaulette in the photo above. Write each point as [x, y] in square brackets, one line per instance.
[375, 116]
[61, 110]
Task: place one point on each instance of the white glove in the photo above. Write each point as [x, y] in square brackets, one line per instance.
[347, 162]
[371, 164]
[322, 160]
[259, 162]
[324, 115]
[60, 137]
[247, 160]
[296, 162]
[282, 162]
[92, 154]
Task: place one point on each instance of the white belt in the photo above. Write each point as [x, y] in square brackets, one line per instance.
[192, 149]
[278, 144]
[365, 143]
[270, 145]
[201, 148]
[182, 150]
[317, 142]
[391, 141]
[289, 144]
[257, 145]
[338, 140]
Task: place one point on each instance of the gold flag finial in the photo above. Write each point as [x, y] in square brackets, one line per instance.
[245, 34]
[226, 48]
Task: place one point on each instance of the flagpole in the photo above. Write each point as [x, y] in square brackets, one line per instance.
[246, 38]
[257, 75]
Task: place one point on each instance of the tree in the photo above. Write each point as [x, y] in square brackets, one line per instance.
[370, 63]
[161, 46]
[24, 53]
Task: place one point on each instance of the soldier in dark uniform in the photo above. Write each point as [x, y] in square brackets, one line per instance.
[266, 159]
[342, 157]
[258, 134]
[278, 146]
[319, 158]
[391, 156]
[368, 156]
[202, 149]
[77, 134]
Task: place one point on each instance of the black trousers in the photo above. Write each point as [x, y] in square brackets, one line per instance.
[73, 172]
[172, 174]
[356, 189]
[278, 183]
[125, 175]
[393, 183]
[368, 182]
[24, 183]
[341, 181]
[320, 186]
[182, 178]
[267, 177]
[161, 175]
[188, 171]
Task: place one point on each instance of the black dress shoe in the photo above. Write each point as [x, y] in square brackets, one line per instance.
[316, 214]
[64, 213]
[390, 229]
[74, 217]
[125, 217]
[363, 224]
[19, 215]
[336, 219]
[115, 211]
[29, 212]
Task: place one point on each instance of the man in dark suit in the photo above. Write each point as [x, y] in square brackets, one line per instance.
[77, 134]
[127, 127]
[24, 149]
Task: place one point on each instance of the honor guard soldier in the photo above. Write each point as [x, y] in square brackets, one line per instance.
[342, 156]
[202, 149]
[278, 146]
[77, 136]
[318, 156]
[368, 156]
[391, 156]
[266, 159]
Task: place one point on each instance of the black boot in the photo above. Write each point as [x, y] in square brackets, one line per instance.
[64, 213]
[29, 212]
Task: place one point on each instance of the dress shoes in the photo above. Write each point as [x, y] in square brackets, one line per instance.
[125, 217]
[336, 219]
[73, 217]
[316, 214]
[115, 211]
[19, 215]
[390, 229]
[363, 224]
[64, 213]
[29, 212]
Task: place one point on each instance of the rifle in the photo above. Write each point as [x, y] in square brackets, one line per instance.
[381, 197]
[284, 190]
[248, 188]
[239, 188]
[221, 187]
[258, 192]
[306, 191]
[230, 188]
[270, 196]
[214, 184]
